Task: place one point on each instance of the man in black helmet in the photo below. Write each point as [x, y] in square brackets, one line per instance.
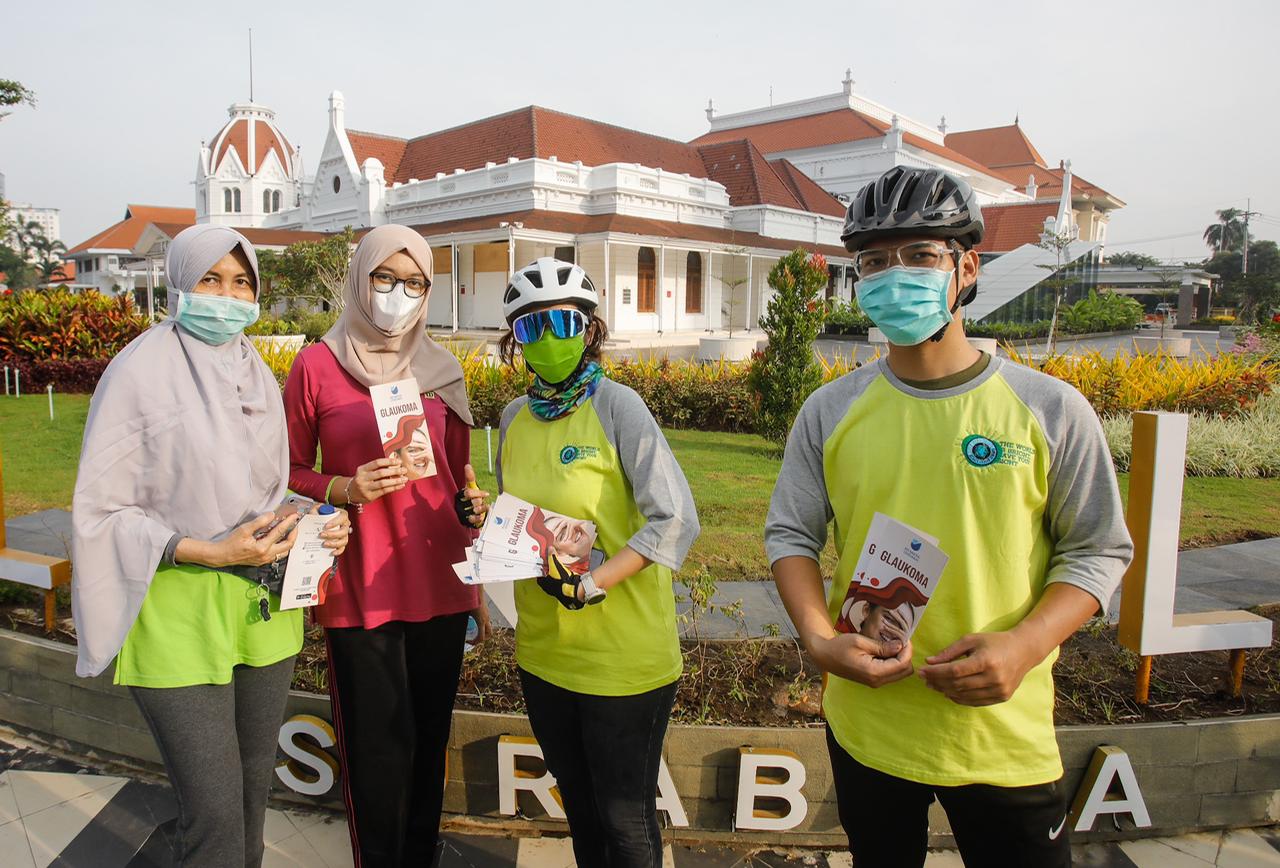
[1009, 469]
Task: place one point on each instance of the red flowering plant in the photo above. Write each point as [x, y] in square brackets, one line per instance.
[786, 372]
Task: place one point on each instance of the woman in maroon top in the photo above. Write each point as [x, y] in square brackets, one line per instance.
[395, 616]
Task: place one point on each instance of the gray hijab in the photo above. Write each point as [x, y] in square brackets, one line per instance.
[182, 438]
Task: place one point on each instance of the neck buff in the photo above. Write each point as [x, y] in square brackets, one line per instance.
[551, 402]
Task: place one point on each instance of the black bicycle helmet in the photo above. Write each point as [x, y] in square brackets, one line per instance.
[906, 201]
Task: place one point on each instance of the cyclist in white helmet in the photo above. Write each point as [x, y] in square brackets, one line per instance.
[598, 652]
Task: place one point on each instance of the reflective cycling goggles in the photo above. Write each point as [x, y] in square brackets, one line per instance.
[563, 324]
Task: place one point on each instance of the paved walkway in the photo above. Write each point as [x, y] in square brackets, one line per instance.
[1237, 576]
[57, 812]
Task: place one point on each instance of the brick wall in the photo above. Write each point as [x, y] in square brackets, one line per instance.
[1194, 775]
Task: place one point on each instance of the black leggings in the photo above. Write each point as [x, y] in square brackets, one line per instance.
[887, 819]
[604, 752]
[392, 689]
[218, 742]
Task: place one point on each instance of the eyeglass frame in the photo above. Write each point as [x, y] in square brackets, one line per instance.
[397, 281]
[947, 246]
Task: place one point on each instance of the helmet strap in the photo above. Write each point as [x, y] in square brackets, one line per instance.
[963, 297]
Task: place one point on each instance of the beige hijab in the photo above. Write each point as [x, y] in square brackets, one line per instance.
[182, 438]
[374, 356]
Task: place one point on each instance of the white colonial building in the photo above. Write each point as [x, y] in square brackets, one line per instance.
[679, 236]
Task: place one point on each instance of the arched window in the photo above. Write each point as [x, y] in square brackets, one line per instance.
[266, 201]
[235, 199]
[693, 283]
[275, 200]
[226, 201]
[646, 281]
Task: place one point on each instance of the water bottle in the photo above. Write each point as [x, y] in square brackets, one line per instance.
[473, 631]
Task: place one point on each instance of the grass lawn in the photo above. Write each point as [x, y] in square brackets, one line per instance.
[731, 475]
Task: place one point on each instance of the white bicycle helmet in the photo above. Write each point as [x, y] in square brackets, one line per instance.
[548, 281]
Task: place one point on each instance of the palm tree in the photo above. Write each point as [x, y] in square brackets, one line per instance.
[49, 259]
[1227, 233]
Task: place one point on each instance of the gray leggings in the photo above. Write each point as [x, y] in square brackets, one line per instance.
[218, 742]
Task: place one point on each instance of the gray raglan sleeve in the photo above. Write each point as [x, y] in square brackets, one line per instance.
[508, 414]
[658, 484]
[800, 510]
[1091, 544]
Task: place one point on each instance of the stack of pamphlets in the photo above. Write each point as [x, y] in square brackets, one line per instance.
[402, 425]
[519, 540]
[892, 582]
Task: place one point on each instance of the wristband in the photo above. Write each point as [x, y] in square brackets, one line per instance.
[329, 490]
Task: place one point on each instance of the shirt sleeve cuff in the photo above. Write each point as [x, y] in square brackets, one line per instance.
[171, 550]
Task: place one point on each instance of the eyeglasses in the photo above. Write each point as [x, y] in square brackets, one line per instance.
[563, 323]
[917, 254]
[414, 287]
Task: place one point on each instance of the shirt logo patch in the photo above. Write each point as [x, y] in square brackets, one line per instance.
[982, 451]
[570, 454]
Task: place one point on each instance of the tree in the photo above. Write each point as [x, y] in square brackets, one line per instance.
[1258, 292]
[13, 93]
[1057, 282]
[1130, 259]
[1227, 233]
[312, 272]
[784, 375]
[731, 284]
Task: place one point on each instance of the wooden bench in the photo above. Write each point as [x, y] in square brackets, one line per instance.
[29, 568]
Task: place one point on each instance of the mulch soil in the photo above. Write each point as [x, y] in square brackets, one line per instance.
[770, 682]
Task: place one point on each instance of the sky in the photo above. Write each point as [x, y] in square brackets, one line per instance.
[1167, 105]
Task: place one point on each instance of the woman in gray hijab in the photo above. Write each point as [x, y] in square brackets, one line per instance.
[184, 463]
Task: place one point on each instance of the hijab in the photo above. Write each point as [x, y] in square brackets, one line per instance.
[374, 356]
[182, 438]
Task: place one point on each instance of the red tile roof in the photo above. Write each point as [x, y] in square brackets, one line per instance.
[1049, 181]
[265, 139]
[811, 196]
[747, 175]
[579, 224]
[1008, 227]
[387, 150]
[124, 235]
[532, 131]
[996, 146]
[827, 128]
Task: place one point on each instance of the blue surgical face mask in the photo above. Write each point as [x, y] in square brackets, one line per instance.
[908, 304]
[214, 319]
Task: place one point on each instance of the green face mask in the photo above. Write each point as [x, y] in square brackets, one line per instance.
[552, 358]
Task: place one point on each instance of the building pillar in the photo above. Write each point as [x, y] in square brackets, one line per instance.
[453, 274]
[611, 303]
[660, 289]
[1186, 304]
[750, 291]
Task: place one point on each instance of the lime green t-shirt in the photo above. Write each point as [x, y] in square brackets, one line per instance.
[1011, 472]
[606, 462]
[197, 624]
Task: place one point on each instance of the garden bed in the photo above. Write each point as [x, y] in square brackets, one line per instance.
[769, 682]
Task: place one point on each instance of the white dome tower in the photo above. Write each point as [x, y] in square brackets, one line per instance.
[248, 171]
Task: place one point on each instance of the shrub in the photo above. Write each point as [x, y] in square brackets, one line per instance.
[1007, 331]
[1225, 385]
[846, 318]
[77, 376]
[43, 325]
[1246, 445]
[1101, 312]
[783, 375]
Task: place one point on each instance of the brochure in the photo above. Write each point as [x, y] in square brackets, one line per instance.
[310, 564]
[518, 540]
[402, 425]
[893, 581]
